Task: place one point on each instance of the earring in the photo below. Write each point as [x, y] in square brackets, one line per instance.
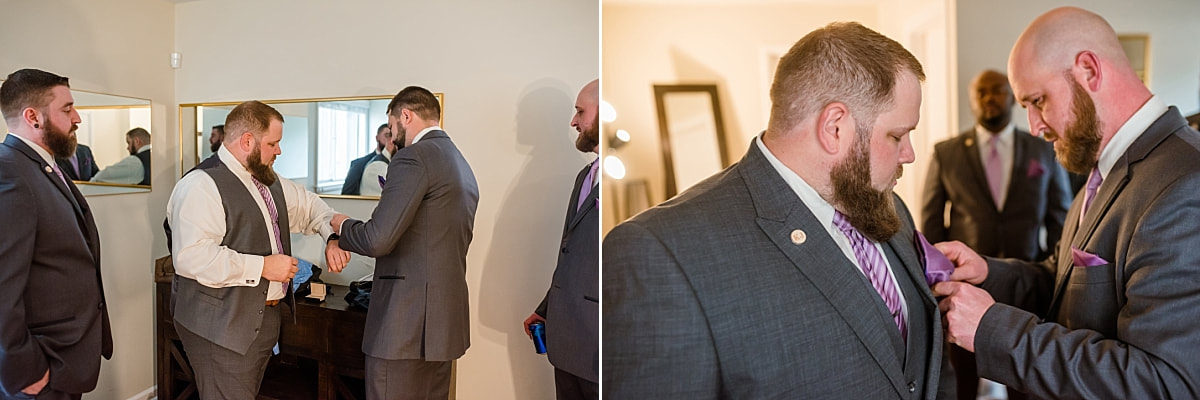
[36, 126]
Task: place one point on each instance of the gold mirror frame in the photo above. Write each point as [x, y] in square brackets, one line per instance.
[190, 143]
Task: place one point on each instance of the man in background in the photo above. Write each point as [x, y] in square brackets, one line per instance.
[375, 172]
[354, 177]
[132, 170]
[80, 166]
[216, 137]
[231, 223]
[1116, 313]
[54, 324]
[571, 308]
[419, 234]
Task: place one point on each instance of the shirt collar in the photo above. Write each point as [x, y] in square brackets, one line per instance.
[143, 148]
[1005, 135]
[39, 149]
[1129, 132]
[819, 207]
[233, 164]
[424, 131]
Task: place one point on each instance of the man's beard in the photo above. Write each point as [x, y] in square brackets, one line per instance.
[258, 169]
[398, 140]
[61, 142]
[872, 212]
[589, 138]
[1079, 149]
[215, 146]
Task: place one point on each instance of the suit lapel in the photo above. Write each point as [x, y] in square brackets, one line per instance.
[20, 146]
[1022, 151]
[577, 213]
[971, 151]
[780, 216]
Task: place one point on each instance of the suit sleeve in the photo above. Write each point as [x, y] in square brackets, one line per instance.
[933, 203]
[1058, 201]
[22, 360]
[407, 185]
[1158, 335]
[657, 343]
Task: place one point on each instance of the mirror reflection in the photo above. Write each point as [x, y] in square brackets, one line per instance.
[113, 151]
[693, 134]
[334, 147]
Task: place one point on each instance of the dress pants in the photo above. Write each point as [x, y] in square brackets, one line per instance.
[407, 379]
[223, 374]
[571, 387]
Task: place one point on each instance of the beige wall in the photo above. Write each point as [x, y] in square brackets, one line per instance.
[119, 47]
[988, 30]
[510, 72]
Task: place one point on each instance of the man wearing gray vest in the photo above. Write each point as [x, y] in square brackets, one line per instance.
[231, 244]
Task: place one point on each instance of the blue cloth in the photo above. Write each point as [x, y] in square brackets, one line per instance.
[303, 273]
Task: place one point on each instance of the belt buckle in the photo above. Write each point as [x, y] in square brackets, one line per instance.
[272, 303]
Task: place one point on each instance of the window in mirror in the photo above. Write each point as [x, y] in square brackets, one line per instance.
[323, 140]
[102, 163]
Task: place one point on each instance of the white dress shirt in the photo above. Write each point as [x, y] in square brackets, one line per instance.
[128, 171]
[824, 212]
[424, 131]
[197, 221]
[1005, 144]
[1129, 132]
[369, 185]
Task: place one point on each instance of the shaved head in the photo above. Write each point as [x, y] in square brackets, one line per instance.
[1055, 38]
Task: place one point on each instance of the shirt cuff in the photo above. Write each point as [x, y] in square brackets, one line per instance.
[253, 271]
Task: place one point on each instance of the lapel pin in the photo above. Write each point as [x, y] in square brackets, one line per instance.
[970, 142]
[48, 170]
[799, 237]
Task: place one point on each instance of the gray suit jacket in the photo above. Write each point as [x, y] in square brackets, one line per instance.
[1038, 195]
[707, 296]
[1128, 329]
[572, 306]
[419, 234]
[52, 310]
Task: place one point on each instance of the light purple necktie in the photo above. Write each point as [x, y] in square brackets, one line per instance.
[270, 201]
[995, 170]
[874, 268]
[1093, 184]
[75, 164]
[587, 184]
[60, 174]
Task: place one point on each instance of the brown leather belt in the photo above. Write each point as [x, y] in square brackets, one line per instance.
[272, 303]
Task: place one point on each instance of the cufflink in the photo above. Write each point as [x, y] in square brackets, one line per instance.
[799, 237]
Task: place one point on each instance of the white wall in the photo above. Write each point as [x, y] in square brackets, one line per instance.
[510, 72]
[119, 47]
[987, 31]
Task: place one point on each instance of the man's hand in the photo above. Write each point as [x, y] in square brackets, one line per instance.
[37, 387]
[279, 267]
[336, 222]
[335, 257]
[532, 318]
[968, 266]
[962, 308]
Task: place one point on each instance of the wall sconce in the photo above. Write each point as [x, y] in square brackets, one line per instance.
[613, 166]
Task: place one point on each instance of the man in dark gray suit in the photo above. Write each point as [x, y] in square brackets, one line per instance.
[81, 166]
[571, 308]
[351, 185]
[231, 220]
[793, 273]
[418, 322]
[1003, 186]
[54, 324]
[1117, 307]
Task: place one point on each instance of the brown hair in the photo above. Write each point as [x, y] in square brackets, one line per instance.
[27, 88]
[252, 116]
[840, 62]
[418, 100]
[139, 133]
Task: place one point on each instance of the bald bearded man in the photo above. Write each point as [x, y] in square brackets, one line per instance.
[1117, 307]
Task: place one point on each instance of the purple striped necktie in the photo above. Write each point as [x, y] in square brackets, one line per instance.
[270, 201]
[587, 184]
[1093, 184]
[874, 267]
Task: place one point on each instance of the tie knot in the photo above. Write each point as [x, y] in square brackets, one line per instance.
[1094, 180]
[840, 221]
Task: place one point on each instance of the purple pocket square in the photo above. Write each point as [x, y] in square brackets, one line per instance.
[382, 180]
[1035, 169]
[937, 267]
[1084, 259]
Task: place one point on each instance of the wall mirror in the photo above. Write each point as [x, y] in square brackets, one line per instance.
[1137, 49]
[103, 162]
[692, 134]
[321, 138]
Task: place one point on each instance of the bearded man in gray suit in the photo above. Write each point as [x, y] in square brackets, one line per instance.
[1117, 306]
[419, 318]
[794, 273]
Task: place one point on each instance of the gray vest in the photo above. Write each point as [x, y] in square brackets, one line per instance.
[232, 316]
